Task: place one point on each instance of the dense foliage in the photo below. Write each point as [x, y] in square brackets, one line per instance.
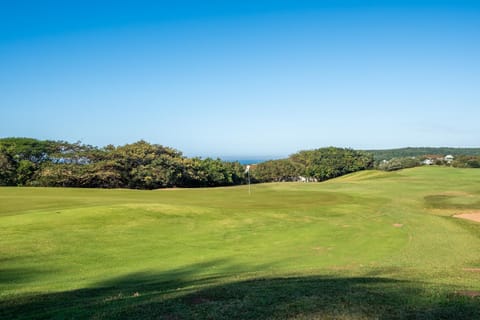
[277, 170]
[439, 160]
[467, 162]
[397, 164]
[140, 165]
[314, 165]
[388, 154]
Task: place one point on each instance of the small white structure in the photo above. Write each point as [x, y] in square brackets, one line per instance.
[448, 158]
[428, 162]
[306, 179]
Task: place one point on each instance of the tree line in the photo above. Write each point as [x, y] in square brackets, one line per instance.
[462, 161]
[418, 152]
[140, 165]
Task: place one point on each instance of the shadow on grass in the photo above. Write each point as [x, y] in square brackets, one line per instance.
[19, 275]
[443, 201]
[185, 294]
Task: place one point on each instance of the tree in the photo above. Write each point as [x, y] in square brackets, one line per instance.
[7, 169]
[398, 163]
[24, 172]
[277, 170]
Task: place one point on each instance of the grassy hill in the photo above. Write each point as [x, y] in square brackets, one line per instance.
[369, 245]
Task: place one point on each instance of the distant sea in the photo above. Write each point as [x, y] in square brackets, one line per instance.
[243, 160]
[246, 161]
[249, 161]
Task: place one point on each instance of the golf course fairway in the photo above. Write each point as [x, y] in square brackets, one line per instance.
[369, 245]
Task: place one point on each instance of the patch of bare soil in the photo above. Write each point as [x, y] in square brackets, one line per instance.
[474, 216]
[471, 269]
[468, 293]
[398, 225]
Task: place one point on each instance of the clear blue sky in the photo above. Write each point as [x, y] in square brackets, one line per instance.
[247, 78]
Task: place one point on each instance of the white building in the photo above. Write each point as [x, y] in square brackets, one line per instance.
[428, 162]
[448, 158]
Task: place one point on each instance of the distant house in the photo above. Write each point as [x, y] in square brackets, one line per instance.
[306, 179]
[436, 159]
[428, 162]
[448, 158]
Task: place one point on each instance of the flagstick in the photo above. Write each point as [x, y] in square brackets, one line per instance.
[247, 171]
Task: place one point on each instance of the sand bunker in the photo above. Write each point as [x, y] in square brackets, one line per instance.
[475, 216]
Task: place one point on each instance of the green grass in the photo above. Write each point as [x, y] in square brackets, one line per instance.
[370, 245]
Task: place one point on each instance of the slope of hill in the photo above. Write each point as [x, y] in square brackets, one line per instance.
[369, 245]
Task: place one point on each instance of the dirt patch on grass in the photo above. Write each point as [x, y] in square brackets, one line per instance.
[474, 216]
[468, 293]
[398, 225]
[471, 269]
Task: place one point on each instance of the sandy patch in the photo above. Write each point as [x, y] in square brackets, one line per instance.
[398, 225]
[475, 216]
[468, 293]
[471, 269]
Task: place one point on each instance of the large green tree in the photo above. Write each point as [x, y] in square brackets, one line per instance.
[319, 164]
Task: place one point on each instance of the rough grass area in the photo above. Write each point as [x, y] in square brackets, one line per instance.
[370, 245]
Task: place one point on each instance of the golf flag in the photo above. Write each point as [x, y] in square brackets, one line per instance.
[247, 170]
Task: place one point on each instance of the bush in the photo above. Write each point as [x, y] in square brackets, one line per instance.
[398, 163]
